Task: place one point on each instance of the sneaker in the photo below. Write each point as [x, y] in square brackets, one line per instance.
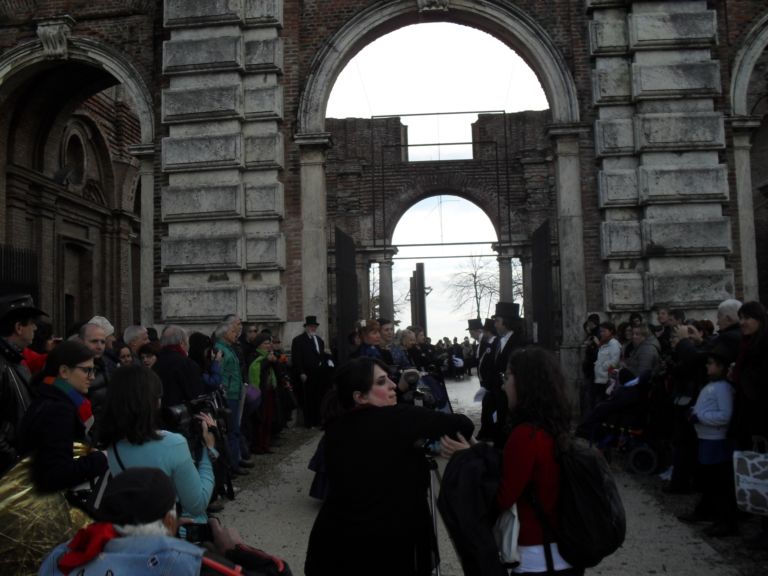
[215, 506]
[246, 464]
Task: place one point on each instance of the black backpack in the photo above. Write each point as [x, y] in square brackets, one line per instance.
[591, 515]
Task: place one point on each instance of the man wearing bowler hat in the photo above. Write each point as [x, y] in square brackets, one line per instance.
[494, 408]
[17, 330]
[309, 370]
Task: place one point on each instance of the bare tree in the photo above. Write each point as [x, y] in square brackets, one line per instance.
[476, 286]
[374, 300]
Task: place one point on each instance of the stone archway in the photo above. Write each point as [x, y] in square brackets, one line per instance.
[55, 45]
[513, 27]
[744, 124]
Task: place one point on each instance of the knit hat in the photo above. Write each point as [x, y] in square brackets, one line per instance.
[261, 338]
[137, 496]
[105, 324]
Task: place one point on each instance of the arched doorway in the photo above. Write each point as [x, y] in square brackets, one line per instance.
[76, 157]
[513, 27]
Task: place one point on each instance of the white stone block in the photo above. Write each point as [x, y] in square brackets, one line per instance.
[623, 292]
[200, 304]
[663, 238]
[200, 12]
[617, 188]
[672, 30]
[219, 53]
[614, 137]
[611, 81]
[608, 37]
[265, 201]
[265, 303]
[702, 289]
[265, 252]
[202, 103]
[201, 152]
[659, 184]
[264, 151]
[201, 202]
[679, 131]
[204, 253]
[265, 55]
[264, 12]
[679, 80]
[620, 239]
[264, 102]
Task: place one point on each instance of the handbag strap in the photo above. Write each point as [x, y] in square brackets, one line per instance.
[117, 457]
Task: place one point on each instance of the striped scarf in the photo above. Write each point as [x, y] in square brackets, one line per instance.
[82, 403]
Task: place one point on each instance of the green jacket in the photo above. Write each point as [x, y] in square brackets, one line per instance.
[257, 368]
[231, 378]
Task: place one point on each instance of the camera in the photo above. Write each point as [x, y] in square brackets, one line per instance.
[181, 419]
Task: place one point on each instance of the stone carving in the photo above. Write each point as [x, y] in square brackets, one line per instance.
[54, 35]
[433, 5]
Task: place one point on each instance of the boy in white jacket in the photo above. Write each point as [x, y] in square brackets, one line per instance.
[711, 416]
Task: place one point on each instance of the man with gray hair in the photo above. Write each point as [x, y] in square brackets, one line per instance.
[226, 335]
[135, 337]
[728, 329]
[180, 375]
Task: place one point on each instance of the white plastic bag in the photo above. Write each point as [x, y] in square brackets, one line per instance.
[506, 532]
[750, 469]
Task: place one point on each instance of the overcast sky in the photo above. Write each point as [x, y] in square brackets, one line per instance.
[429, 68]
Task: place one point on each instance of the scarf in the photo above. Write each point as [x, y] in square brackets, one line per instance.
[82, 403]
[88, 543]
[176, 348]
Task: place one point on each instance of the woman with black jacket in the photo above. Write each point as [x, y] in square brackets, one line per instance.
[59, 416]
[375, 519]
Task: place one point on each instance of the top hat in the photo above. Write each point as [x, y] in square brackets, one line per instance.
[311, 321]
[475, 324]
[507, 310]
[19, 303]
[489, 325]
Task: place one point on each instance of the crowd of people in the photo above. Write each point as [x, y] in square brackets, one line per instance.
[696, 390]
[197, 408]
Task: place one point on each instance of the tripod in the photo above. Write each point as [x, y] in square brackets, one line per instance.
[434, 483]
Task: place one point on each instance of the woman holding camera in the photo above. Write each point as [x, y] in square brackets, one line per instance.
[378, 477]
[132, 438]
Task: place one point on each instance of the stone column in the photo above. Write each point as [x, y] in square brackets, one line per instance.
[386, 295]
[570, 223]
[314, 234]
[742, 145]
[505, 279]
[147, 237]
[363, 267]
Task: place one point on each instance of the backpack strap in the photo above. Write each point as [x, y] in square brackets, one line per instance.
[549, 534]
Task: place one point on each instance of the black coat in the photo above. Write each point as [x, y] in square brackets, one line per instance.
[377, 498]
[15, 398]
[180, 375]
[305, 358]
[50, 428]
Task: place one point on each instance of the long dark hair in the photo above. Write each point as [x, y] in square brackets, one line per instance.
[131, 410]
[69, 353]
[540, 388]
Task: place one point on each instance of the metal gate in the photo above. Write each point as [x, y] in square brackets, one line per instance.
[346, 292]
[543, 300]
[18, 271]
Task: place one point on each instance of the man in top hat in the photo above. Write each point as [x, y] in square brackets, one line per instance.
[494, 402]
[475, 327]
[309, 370]
[17, 330]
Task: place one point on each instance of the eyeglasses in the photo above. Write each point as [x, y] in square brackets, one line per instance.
[87, 370]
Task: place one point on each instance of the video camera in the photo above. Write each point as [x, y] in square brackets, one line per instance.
[180, 418]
